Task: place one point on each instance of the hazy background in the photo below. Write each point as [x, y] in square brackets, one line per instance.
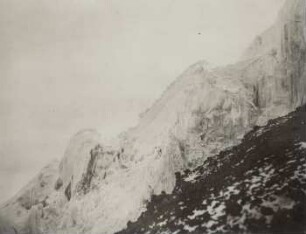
[72, 64]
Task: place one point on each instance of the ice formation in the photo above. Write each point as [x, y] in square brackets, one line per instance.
[98, 188]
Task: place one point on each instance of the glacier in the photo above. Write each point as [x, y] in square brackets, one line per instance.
[99, 188]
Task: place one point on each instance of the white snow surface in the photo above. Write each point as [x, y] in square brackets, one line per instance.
[303, 145]
[204, 111]
[77, 155]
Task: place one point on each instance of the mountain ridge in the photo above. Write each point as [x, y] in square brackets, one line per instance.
[99, 188]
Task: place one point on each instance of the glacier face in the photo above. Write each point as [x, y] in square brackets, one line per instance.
[278, 61]
[98, 189]
[201, 111]
[205, 110]
[76, 158]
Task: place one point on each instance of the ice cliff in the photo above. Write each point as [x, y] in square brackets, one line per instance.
[98, 188]
[258, 186]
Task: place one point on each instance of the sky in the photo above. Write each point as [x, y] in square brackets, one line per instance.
[67, 65]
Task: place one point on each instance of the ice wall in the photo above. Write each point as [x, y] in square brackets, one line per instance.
[98, 189]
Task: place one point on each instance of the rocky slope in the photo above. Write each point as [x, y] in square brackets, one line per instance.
[98, 189]
[258, 186]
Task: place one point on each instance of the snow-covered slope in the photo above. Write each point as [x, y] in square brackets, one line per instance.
[98, 188]
[18, 214]
[258, 186]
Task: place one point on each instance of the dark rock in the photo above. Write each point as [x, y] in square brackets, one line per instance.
[267, 210]
[240, 190]
[84, 185]
[58, 184]
[68, 191]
